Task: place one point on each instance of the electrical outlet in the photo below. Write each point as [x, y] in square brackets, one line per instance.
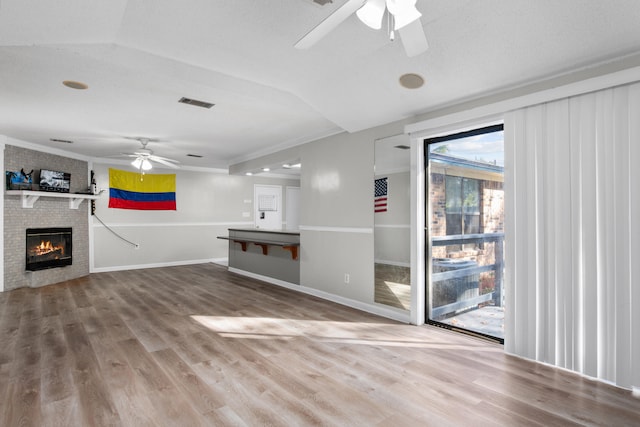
[346, 278]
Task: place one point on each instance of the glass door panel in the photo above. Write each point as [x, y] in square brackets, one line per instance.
[466, 231]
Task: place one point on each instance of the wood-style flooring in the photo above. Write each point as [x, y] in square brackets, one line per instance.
[197, 345]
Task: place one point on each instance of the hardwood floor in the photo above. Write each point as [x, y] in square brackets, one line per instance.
[196, 345]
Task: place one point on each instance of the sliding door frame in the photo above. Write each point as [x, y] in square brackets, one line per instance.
[453, 134]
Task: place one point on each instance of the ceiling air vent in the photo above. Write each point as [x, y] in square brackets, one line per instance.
[403, 147]
[196, 103]
[194, 155]
[64, 141]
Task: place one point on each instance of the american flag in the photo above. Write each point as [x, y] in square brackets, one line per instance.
[380, 195]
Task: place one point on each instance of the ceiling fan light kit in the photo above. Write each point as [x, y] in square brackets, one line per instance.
[143, 158]
[143, 164]
[403, 13]
[371, 13]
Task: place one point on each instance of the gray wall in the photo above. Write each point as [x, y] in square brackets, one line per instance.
[207, 204]
[336, 217]
[46, 212]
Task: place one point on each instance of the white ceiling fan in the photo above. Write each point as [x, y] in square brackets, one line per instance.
[403, 17]
[143, 157]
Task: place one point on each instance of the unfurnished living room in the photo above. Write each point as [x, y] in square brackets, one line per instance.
[317, 212]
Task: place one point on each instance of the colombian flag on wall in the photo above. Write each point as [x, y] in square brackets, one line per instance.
[154, 192]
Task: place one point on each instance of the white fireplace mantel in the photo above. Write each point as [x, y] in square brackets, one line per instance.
[29, 197]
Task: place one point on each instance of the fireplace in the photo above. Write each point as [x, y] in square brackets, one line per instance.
[48, 248]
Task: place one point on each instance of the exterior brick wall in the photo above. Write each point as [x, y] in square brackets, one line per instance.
[492, 219]
[46, 212]
[492, 206]
[438, 217]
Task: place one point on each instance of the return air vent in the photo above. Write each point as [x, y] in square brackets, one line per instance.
[196, 103]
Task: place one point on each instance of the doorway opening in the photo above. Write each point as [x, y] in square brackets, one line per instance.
[465, 231]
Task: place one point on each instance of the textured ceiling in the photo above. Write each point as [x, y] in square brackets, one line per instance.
[139, 57]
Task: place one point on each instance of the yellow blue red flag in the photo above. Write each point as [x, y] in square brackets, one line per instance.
[154, 192]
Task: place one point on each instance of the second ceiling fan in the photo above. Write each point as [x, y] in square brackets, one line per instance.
[143, 157]
[403, 17]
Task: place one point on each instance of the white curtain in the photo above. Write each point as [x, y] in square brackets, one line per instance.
[572, 183]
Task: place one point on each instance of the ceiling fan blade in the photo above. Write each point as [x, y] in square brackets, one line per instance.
[154, 157]
[329, 24]
[413, 38]
[163, 161]
[121, 155]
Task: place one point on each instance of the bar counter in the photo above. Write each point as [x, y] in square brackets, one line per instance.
[263, 252]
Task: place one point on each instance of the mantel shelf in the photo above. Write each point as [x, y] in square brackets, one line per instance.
[29, 197]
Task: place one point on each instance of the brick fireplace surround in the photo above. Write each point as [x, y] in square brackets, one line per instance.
[46, 212]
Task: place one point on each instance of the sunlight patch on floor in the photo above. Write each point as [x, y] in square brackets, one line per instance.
[264, 328]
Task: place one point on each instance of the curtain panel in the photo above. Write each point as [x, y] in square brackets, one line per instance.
[572, 184]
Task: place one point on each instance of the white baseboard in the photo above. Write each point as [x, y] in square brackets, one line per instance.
[157, 265]
[382, 311]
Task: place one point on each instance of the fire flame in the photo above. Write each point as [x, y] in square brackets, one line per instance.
[45, 248]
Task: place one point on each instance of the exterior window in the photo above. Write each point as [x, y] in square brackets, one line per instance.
[462, 205]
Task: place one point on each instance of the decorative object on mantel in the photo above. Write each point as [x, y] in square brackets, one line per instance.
[94, 190]
[19, 180]
[55, 181]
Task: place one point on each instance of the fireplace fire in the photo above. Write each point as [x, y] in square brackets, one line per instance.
[48, 248]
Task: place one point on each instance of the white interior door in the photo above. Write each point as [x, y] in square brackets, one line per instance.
[292, 211]
[267, 206]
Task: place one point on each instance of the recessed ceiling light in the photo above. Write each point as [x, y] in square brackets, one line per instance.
[265, 169]
[297, 165]
[64, 141]
[286, 166]
[411, 81]
[75, 85]
[249, 173]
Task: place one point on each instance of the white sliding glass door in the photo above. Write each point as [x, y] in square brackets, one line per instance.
[465, 215]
